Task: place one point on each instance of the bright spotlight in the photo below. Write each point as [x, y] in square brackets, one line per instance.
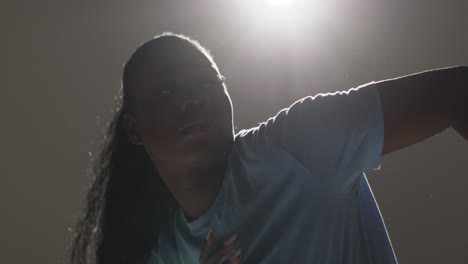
[276, 13]
[279, 3]
[291, 17]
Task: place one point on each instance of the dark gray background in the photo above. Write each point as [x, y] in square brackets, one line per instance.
[61, 67]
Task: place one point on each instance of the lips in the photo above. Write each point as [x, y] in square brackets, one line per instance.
[197, 127]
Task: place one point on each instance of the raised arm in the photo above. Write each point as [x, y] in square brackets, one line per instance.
[421, 105]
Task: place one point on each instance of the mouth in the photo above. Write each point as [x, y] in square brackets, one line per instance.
[202, 127]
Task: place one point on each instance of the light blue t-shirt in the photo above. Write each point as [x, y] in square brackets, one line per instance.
[295, 189]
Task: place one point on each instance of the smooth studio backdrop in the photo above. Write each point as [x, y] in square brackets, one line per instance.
[61, 64]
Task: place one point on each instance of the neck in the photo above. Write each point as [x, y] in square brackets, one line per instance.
[195, 189]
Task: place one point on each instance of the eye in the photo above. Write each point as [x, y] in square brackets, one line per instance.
[166, 91]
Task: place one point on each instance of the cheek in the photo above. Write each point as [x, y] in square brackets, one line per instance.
[159, 138]
[159, 125]
[160, 128]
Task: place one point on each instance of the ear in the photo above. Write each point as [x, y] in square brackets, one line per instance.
[130, 128]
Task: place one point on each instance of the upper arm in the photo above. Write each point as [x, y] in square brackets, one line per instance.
[335, 136]
[418, 106]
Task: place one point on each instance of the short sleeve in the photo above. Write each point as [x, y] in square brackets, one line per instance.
[339, 134]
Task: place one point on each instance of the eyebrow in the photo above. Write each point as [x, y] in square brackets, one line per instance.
[167, 74]
[157, 77]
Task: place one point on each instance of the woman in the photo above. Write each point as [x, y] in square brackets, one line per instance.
[291, 190]
[129, 202]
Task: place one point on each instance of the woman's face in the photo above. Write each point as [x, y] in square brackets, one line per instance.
[183, 112]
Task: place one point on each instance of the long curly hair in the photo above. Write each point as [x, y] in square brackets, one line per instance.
[128, 204]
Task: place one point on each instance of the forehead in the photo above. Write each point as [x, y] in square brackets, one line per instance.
[172, 61]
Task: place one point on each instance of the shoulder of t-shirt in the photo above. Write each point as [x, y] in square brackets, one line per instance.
[255, 139]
